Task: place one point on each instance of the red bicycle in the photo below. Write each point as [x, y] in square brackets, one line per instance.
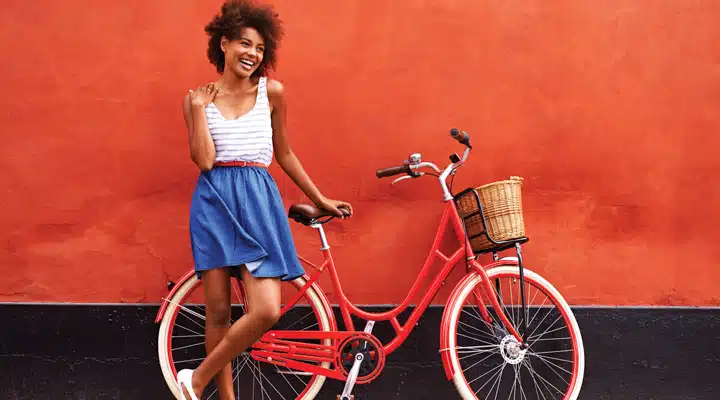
[505, 330]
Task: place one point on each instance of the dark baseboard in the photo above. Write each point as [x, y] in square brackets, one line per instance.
[110, 352]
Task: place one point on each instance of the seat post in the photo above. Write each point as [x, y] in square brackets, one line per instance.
[323, 238]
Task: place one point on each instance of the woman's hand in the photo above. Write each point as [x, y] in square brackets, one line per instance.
[202, 148]
[203, 95]
[334, 206]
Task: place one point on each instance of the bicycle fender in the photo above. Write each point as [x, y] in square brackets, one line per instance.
[445, 326]
[170, 295]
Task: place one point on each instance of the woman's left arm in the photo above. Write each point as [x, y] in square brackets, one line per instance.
[288, 160]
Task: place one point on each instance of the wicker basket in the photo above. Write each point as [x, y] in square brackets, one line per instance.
[502, 207]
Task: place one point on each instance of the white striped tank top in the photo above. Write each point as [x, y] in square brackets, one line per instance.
[246, 138]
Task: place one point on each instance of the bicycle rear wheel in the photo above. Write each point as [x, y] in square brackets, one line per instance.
[181, 343]
[487, 360]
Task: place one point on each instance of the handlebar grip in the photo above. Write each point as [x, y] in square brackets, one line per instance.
[460, 136]
[385, 172]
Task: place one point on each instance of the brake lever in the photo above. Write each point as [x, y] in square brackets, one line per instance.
[415, 175]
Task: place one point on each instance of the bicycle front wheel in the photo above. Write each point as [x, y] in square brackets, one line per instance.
[181, 343]
[488, 361]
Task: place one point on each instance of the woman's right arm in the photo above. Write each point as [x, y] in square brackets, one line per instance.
[202, 148]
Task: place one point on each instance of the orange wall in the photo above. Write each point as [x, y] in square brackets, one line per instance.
[608, 109]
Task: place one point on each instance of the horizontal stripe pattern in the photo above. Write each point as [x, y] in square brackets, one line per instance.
[246, 138]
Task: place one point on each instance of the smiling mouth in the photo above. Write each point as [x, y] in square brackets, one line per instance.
[247, 64]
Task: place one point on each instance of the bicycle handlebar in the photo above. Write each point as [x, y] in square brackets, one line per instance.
[385, 172]
[458, 135]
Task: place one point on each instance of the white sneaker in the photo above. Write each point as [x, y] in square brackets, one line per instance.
[184, 379]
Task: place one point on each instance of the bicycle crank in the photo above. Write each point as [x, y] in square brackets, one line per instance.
[366, 353]
[352, 377]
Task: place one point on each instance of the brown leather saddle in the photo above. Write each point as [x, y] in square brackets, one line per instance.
[308, 214]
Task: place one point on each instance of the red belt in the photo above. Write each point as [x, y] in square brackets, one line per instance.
[239, 164]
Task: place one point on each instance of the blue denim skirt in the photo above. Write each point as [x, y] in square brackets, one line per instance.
[237, 218]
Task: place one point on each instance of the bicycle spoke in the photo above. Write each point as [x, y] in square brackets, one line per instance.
[553, 369]
[232, 373]
[559, 317]
[473, 338]
[475, 353]
[310, 327]
[478, 318]
[489, 380]
[512, 390]
[554, 330]
[190, 319]
[477, 364]
[534, 380]
[187, 329]
[545, 381]
[187, 361]
[489, 346]
[190, 345]
[188, 336]
[540, 307]
[268, 380]
[289, 384]
[499, 379]
[549, 339]
[258, 378]
[295, 375]
[239, 296]
[548, 331]
[464, 324]
[512, 312]
[519, 377]
[186, 309]
[294, 323]
[539, 323]
[552, 358]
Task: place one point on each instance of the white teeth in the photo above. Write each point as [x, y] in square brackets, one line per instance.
[246, 62]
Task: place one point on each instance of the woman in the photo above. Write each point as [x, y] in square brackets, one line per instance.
[238, 224]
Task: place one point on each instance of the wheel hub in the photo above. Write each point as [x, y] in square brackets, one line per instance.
[512, 351]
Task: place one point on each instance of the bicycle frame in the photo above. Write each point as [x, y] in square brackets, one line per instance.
[449, 217]
[336, 348]
[285, 347]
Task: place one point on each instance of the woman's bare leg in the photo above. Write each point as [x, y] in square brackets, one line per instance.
[216, 283]
[263, 297]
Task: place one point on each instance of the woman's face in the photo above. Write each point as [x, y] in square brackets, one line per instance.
[244, 54]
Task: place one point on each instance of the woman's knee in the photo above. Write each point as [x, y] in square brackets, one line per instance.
[266, 315]
[218, 313]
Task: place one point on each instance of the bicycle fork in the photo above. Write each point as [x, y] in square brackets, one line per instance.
[504, 321]
[522, 296]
